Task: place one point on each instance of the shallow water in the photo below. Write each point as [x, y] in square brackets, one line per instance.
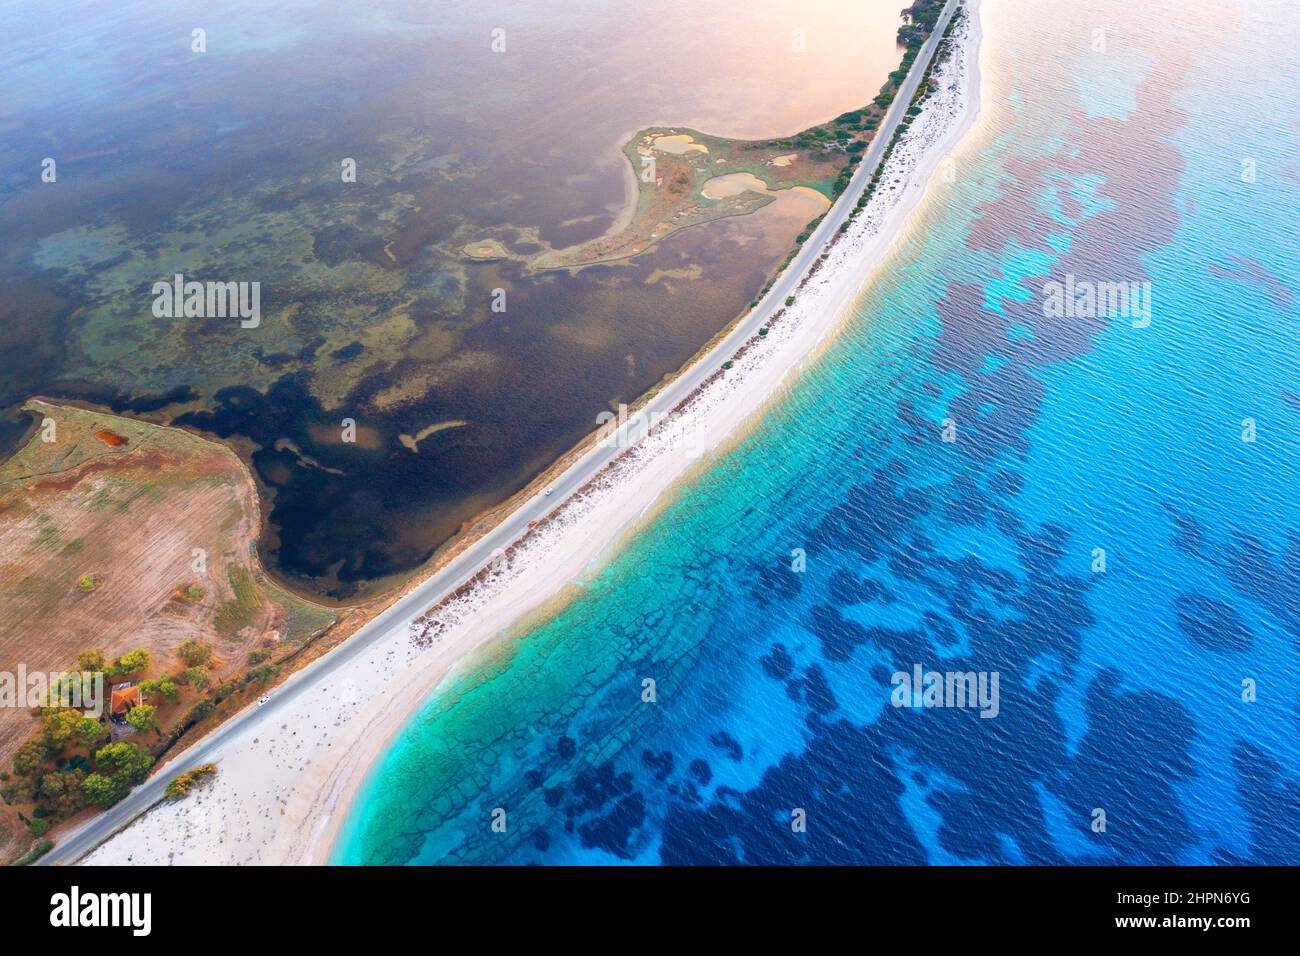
[1121, 689]
[227, 165]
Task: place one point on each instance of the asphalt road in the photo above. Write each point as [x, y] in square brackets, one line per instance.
[438, 585]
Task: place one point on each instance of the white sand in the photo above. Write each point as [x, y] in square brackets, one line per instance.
[283, 791]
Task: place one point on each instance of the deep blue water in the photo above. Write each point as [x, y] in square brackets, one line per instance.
[1119, 690]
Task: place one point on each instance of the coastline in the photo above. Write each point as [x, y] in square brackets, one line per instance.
[282, 796]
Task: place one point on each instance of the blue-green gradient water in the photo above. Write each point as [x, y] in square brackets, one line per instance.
[1163, 149]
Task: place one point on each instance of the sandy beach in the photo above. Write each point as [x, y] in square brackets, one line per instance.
[284, 787]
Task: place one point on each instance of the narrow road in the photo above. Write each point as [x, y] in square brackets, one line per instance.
[95, 831]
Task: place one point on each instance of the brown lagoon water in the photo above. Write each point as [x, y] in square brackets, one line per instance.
[225, 165]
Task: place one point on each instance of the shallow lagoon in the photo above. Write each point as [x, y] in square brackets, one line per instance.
[228, 165]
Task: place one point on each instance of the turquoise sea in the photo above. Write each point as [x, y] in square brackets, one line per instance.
[1142, 143]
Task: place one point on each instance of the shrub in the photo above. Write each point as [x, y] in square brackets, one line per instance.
[202, 709]
[239, 612]
[180, 788]
[264, 674]
[196, 677]
[38, 852]
[195, 653]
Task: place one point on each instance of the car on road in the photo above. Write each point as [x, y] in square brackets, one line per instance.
[262, 700]
[548, 491]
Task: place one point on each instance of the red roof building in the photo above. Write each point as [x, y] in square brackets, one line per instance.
[124, 697]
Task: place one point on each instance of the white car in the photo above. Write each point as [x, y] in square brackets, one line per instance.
[262, 700]
[548, 491]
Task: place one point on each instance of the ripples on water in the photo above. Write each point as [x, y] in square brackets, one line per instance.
[1119, 691]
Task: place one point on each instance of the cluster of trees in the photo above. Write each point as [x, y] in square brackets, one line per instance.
[918, 22]
[71, 764]
[132, 662]
[118, 767]
[66, 768]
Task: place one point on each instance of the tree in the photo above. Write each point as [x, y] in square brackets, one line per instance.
[132, 662]
[165, 685]
[196, 677]
[264, 674]
[90, 661]
[125, 761]
[202, 709]
[142, 718]
[91, 731]
[195, 653]
[103, 791]
[64, 791]
[29, 757]
[60, 727]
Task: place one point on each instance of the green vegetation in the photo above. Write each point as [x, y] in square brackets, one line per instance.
[180, 788]
[193, 592]
[919, 20]
[201, 710]
[264, 674]
[164, 687]
[195, 653]
[240, 611]
[68, 764]
[90, 661]
[129, 663]
[89, 582]
[914, 109]
[143, 717]
[29, 757]
[119, 766]
[103, 791]
[38, 852]
[60, 726]
[62, 792]
[196, 677]
[91, 732]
